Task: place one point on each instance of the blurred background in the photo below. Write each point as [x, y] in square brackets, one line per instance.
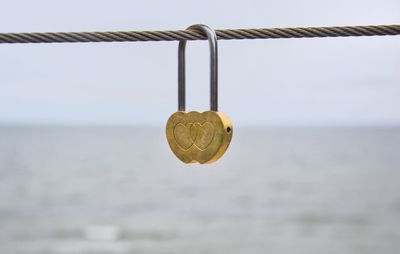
[313, 166]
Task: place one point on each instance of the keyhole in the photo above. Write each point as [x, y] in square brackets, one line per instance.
[228, 129]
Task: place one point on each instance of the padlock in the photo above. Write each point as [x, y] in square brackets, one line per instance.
[193, 136]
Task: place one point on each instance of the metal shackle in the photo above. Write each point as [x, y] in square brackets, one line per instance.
[212, 39]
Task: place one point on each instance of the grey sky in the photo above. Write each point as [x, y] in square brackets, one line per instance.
[337, 81]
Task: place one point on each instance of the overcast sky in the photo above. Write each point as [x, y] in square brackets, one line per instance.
[334, 81]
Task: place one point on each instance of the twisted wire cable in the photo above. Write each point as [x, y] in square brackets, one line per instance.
[223, 34]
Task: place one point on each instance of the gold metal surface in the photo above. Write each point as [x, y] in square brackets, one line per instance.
[201, 137]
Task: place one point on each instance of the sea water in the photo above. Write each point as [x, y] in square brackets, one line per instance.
[276, 190]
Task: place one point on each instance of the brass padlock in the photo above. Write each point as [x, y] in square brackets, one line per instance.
[193, 136]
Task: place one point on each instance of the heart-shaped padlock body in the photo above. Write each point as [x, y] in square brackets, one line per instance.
[199, 136]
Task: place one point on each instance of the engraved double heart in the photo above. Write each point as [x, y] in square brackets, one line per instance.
[194, 134]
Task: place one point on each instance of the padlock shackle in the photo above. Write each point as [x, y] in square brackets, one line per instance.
[212, 39]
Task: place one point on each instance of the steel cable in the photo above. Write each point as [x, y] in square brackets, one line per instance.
[223, 34]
